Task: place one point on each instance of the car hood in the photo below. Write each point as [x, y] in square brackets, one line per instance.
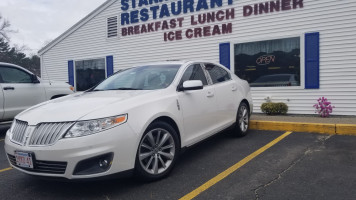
[76, 106]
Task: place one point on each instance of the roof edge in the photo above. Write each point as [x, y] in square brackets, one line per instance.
[76, 26]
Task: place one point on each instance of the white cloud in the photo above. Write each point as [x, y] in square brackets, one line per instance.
[39, 21]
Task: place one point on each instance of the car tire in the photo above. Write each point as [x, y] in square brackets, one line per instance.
[157, 152]
[242, 120]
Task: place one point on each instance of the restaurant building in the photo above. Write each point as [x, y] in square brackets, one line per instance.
[291, 51]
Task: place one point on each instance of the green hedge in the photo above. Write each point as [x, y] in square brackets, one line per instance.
[274, 108]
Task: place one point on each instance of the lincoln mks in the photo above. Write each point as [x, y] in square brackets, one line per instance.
[136, 120]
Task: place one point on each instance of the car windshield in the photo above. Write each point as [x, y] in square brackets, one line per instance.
[151, 77]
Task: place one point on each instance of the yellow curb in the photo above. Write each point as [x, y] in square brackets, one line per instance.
[346, 129]
[294, 126]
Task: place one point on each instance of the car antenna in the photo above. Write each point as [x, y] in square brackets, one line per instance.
[45, 68]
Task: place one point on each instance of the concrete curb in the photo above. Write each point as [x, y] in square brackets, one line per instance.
[332, 129]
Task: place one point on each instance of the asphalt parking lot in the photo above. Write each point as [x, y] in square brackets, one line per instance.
[299, 166]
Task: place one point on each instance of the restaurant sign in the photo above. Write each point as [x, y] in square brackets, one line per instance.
[140, 11]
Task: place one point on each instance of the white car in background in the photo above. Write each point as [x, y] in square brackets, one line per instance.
[137, 119]
[21, 89]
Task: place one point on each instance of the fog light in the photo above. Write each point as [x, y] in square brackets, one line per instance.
[104, 163]
[97, 164]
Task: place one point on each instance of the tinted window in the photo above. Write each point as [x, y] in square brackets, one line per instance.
[13, 75]
[271, 63]
[194, 72]
[89, 73]
[217, 73]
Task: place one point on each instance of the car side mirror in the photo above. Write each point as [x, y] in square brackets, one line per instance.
[192, 85]
[34, 79]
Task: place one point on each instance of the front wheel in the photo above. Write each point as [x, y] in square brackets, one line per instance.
[157, 152]
[242, 121]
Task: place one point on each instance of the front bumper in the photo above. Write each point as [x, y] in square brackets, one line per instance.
[120, 140]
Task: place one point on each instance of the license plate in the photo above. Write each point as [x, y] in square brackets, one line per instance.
[24, 159]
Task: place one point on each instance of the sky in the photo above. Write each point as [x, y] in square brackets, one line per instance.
[39, 21]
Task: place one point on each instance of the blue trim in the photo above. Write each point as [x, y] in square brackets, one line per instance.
[312, 60]
[224, 54]
[109, 65]
[71, 72]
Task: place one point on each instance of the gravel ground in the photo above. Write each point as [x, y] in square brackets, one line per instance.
[306, 118]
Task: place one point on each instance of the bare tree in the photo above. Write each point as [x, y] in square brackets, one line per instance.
[21, 48]
[46, 42]
[5, 28]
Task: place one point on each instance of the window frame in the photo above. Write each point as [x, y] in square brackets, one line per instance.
[85, 59]
[6, 66]
[276, 37]
[208, 74]
[202, 67]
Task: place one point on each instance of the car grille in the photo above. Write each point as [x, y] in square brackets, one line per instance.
[19, 131]
[40, 166]
[48, 133]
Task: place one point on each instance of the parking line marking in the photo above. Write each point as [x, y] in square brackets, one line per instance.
[7, 169]
[232, 169]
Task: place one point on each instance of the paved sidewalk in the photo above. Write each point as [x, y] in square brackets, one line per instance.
[305, 118]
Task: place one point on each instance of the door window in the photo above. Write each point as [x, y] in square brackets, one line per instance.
[194, 72]
[217, 73]
[13, 75]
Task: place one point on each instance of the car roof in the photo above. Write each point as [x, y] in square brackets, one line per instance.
[174, 62]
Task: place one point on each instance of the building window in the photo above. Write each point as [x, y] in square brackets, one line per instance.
[112, 27]
[270, 63]
[89, 73]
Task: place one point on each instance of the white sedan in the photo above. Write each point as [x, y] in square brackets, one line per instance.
[136, 120]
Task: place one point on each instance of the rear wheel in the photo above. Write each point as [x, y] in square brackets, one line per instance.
[242, 121]
[157, 151]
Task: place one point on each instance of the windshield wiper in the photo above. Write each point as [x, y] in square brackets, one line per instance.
[124, 88]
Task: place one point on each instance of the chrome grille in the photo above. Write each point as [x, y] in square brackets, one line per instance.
[19, 131]
[48, 133]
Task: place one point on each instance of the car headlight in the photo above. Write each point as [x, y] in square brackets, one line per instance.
[82, 128]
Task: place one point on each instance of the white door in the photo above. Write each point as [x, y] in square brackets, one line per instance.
[227, 95]
[19, 91]
[198, 106]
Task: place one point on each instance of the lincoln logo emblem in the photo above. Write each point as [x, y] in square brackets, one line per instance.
[265, 59]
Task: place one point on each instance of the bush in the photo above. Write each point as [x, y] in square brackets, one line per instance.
[274, 108]
[323, 107]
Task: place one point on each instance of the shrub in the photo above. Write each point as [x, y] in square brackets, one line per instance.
[323, 107]
[274, 108]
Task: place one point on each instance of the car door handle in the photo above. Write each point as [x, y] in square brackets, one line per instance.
[210, 94]
[9, 88]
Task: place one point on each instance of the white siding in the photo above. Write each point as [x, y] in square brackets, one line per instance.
[334, 19]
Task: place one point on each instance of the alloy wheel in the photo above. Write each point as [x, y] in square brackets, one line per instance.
[156, 151]
[243, 118]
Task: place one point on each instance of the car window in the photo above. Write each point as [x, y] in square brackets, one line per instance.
[13, 75]
[194, 72]
[217, 73]
[151, 77]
